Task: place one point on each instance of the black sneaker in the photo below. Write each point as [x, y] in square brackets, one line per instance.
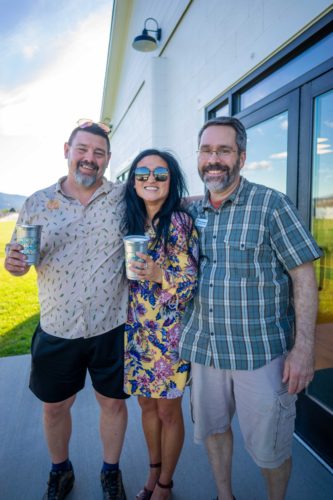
[59, 484]
[112, 485]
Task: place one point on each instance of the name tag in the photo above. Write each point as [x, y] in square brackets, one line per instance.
[200, 222]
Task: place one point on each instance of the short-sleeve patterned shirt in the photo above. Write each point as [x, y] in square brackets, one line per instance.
[242, 316]
[82, 285]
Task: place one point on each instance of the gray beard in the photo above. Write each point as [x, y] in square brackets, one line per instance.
[85, 180]
[219, 185]
[216, 186]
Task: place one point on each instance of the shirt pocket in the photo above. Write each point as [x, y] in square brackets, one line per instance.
[242, 258]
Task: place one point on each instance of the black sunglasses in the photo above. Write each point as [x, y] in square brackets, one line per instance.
[160, 174]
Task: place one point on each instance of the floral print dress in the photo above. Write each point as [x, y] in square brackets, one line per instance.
[152, 365]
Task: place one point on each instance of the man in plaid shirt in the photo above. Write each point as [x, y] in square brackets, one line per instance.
[249, 332]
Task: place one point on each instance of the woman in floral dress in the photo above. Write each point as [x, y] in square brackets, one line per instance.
[167, 281]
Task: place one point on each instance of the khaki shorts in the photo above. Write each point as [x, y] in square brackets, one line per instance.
[266, 412]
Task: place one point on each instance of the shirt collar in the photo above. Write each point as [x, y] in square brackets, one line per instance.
[106, 187]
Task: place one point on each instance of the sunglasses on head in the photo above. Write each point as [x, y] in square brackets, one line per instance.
[86, 122]
[160, 174]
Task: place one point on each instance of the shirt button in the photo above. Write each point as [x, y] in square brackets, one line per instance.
[242, 245]
[210, 310]
[212, 334]
[214, 236]
[214, 261]
[210, 284]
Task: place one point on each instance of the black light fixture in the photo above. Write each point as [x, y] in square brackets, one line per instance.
[145, 42]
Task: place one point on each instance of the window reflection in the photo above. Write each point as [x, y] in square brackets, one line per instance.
[223, 110]
[322, 228]
[310, 58]
[266, 158]
[123, 177]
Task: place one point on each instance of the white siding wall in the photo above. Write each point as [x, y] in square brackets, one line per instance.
[215, 45]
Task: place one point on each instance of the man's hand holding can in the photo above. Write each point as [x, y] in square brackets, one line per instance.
[15, 262]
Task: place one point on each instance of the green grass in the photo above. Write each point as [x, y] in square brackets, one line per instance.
[19, 308]
[323, 233]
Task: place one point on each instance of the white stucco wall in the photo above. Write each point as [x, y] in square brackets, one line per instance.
[216, 43]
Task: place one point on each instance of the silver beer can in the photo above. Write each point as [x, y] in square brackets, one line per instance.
[29, 235]
[134, 243]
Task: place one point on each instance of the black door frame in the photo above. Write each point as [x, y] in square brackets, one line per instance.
[314, 424]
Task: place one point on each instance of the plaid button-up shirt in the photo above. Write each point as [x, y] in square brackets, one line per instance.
[242, 316]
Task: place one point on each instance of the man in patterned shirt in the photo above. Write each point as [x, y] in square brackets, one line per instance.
[249, 332]
[83, 304]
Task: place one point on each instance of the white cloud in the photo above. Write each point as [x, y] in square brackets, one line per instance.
[29, 51]
[324, 151]
[284, 125]
[258, 165]
[37, 118]
[72, 82]
[279, 156]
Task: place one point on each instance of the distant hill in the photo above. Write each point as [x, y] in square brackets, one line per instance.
[11, 201]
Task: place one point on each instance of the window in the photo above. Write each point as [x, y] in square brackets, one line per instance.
[295, 64]
[123, 176]
[298, 66]
[266, 156]
[221, 109]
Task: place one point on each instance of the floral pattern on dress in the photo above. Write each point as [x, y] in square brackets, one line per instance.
[152, 365]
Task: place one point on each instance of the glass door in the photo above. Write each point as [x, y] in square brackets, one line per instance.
[271, 157]
[315, 406]
[267, 147]
[321, 389]
[290, 148]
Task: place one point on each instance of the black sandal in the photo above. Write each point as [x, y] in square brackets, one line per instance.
[165, 486]
[146, 494]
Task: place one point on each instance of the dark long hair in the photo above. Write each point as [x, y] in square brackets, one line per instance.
[136, 214]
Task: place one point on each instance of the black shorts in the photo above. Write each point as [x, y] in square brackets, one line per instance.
[59, 366]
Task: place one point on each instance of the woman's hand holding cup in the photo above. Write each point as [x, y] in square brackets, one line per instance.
[146, 268]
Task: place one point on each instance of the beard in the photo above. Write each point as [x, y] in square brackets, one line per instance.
[223, 181]
[83, 179]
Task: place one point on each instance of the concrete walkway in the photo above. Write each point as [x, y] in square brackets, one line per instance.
[24, 462]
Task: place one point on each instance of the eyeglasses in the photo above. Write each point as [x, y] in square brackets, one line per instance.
[160, 174]
[86, 122]
[220, 153]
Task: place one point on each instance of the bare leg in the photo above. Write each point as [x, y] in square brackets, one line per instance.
[172, 438]
[58, 428]
[151, 425]
[219, 448]
[277, 480]
[113, 423]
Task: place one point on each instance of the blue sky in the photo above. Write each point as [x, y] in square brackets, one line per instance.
[52, 60]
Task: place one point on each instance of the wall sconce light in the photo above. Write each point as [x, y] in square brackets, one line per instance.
[145, 42]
